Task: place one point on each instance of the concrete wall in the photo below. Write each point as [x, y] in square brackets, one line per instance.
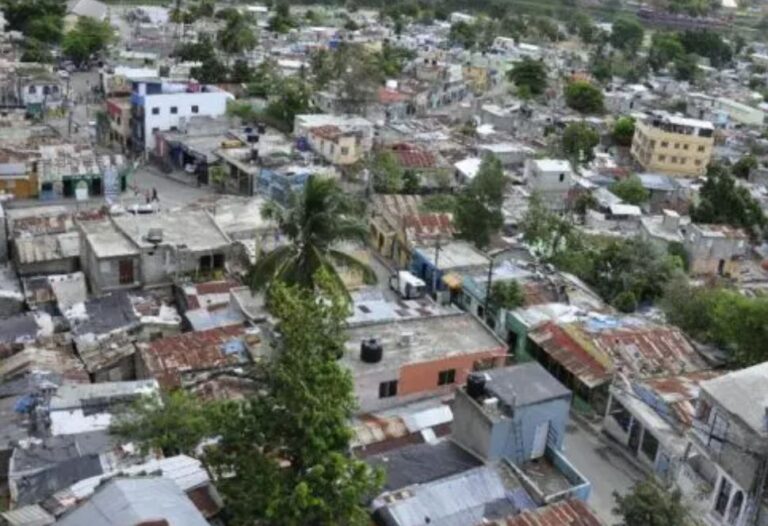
[656, 149]
[212, 104]
[495, 437]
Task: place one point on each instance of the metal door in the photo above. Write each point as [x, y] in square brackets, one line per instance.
[540, 440]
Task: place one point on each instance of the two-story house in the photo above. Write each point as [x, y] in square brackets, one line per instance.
[551, 180]
[157, 105]
[725, 467]
[336, 145]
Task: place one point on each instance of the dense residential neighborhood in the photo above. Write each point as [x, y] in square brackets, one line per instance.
[410, 263]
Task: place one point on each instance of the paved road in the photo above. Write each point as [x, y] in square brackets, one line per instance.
[171, 193]
[607, 470]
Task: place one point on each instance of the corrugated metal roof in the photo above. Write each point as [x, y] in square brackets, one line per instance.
[167, 358]
[564, 513]
[28, 516]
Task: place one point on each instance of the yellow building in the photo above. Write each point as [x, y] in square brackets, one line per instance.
[673, 145]
[335, 145]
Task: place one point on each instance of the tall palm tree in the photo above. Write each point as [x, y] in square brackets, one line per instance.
[316, 221]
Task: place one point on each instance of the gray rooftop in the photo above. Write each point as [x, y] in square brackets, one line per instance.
[744, 394]
[106, 240]
[430, 338]
[70, 396]
[422, 463]
[455, 255]
[131, 501]
[524, 384]
[193, 229]
[104, 314]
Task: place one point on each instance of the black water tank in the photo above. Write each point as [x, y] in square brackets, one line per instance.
[476, 385]
[371, 351]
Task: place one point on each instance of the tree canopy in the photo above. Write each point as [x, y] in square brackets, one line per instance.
[315, 221]
[721, 316]
[627, 35]
[722, 201]
[478, 207]
[579, 141]
[529, 74]
[506, 294]
[650, 505]
[624, 130]
[584, 97]
[88, 38]
[631, 190]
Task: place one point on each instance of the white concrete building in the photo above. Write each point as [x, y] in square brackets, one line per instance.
[551, 179]
[163, 106]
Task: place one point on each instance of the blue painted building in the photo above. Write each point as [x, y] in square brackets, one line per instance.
[453, 257]
[519, 414]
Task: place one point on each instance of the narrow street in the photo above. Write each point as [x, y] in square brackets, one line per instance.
[606, 469]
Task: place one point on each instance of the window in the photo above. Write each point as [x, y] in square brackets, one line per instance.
[155, 111]
[697, 162]
[446, 377]
[677, 146]
[32, 90]
[344, 150]
[736, 502]
[218, 261]
[664, 144]
[723, 495]
[388, 389]
[174, 128]
[673, 159]
[195, 109]
[205, 262]
[683, 160]
[702, 148]
[155, 130]
[650, 445]
[46, 90]
[718, 430]
[620, 414]
[174, 110]
[662, 158]
[653, 143]
[54, 89]
[562, 177]
[333, 149]
[685, 146]
[119, 120]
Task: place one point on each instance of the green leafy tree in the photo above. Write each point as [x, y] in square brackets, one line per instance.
[744, 166]
[36, 51]
[88, 38]
[579, 141]
[211, 71]
[463, 34]
[241, 72]
[199, 51]
[545, 232]
[627, 35]
[387, 173]
[650, 505]
[21, 14]
[624, 130]
[686, 68]
[507, 295]
[174, 423]
[283, 458]
[722, 201]
[411, 183]
[237, 36]
[292, 98]
[48, 28]
[708, 44]
[530, 74]
[315, 222]
[665, 48]
[478, 207]
[584, 97]
[631, 190]
[282, 21]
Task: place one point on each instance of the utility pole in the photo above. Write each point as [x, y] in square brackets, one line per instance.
[434, 273]
[488, 284]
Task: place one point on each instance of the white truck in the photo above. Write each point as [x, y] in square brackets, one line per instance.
[407, 285]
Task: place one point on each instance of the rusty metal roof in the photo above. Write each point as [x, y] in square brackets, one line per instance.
[563, 513]
[592, 348]
[429, 225]
[565, 350]
[680, 392]
[167, 358]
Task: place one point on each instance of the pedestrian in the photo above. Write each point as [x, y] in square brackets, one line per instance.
[154, 194]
